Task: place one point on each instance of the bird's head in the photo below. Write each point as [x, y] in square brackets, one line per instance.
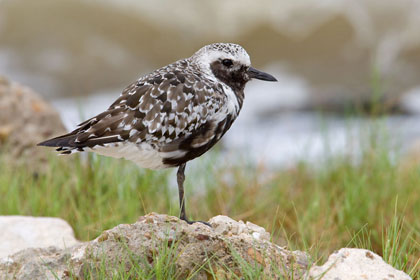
[229, 63]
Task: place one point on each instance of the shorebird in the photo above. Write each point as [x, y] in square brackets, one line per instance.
[172, 115]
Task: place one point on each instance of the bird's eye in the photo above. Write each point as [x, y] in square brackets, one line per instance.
[227, 62]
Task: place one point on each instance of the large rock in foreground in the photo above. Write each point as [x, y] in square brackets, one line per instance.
[216, 248]
[197, 250]
[19, 232]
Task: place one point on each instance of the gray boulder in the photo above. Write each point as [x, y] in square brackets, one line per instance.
[25, 120]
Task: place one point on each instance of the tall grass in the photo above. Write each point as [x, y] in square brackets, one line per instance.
[373, 203]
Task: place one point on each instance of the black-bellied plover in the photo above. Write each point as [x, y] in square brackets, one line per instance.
[172, 115]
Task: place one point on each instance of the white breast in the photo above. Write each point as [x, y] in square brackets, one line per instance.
[232, 100]
[230, 107]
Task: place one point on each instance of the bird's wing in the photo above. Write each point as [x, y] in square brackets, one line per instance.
[160, 108]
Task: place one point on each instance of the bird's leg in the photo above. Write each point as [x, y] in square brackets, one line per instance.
[180, 176]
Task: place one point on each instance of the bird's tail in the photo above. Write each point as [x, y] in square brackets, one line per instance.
[65, 143]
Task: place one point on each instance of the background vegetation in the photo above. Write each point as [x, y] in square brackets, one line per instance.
[370, 202]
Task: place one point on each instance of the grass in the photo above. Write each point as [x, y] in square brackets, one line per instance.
[374, 204]
[160, 268]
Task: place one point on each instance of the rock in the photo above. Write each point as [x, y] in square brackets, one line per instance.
[193, 250]
[410, 101]
[355, 264]
[18, 233]
[194, 245]
[25, 120]
[34, 263]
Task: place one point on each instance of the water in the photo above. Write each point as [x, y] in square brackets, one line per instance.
[270, 130]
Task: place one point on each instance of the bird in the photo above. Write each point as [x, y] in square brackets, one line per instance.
[171, 115]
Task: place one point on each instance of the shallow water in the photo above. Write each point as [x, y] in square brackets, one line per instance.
[263, 133]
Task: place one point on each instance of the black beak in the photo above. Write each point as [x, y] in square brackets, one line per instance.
[257, 74]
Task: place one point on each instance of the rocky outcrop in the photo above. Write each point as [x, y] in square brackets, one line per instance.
[19, 232]
[196, 246]
[196, 249]
[25, 120]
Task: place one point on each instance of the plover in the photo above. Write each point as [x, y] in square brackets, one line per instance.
[172, 115]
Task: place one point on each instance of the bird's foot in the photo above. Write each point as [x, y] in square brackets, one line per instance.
[192, 222]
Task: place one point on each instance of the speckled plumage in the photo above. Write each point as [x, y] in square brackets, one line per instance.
[171, 115]
[178, 111]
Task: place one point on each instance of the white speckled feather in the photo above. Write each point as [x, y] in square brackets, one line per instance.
[171, 115]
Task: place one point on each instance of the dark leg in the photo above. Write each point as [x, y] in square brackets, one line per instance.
[180, 176]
